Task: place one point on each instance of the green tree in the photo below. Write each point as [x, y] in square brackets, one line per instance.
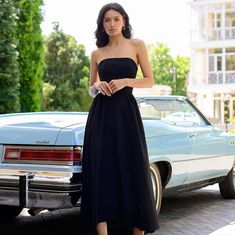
[166, 69]
[31, 53]
[67, 68]
[9, 73]
[47, 91]
[181, 74]
[162, 63]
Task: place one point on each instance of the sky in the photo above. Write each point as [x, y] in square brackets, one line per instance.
[166, 21]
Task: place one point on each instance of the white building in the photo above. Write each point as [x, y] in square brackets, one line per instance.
[211, 82]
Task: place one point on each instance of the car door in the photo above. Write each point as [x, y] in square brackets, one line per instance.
[166, 140]
[208, 147]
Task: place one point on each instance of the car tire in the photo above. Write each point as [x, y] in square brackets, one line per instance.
[157, 186]
[9, 212]
[227, 186]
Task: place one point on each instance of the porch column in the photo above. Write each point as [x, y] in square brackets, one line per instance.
[222, 108]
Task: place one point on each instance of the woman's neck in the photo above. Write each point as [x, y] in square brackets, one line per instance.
[116, 40]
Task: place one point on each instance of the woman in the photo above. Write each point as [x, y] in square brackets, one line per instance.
[116, 178]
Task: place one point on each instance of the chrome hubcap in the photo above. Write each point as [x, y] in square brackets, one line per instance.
[156, 188]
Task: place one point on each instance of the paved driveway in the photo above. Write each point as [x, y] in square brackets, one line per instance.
[201, 212]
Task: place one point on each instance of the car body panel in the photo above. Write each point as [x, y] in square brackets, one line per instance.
[177, 155]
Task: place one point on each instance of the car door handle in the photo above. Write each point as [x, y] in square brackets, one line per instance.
[191, 135]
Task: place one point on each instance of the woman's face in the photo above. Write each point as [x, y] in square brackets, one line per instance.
[113, 22]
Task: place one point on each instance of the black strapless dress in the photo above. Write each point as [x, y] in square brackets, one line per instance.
[116, 178]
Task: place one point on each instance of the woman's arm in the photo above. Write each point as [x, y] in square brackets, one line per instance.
[93, 90]
[142, 56]
[95, 85]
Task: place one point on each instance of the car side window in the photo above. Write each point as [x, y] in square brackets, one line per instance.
[186, 115]
[148, 111]
[172, 111]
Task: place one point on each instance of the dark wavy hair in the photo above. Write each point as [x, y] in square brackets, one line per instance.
[102, 37]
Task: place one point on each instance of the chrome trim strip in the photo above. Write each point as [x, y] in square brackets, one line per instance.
[202, 158]
[43, 147]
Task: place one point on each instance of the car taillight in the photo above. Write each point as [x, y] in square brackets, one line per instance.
[38, 154]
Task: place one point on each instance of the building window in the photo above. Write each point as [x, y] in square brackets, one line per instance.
[215, 64]
[230, 49]
[211, 63]
[230, 62]
[215, 51]
[230, 5]
[230, 68]
[219, 63]
[230, 25]
[217, 20]
[230, 19]
[214, 26]
[233, 111]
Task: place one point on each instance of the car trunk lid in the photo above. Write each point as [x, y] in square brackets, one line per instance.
[36, 128]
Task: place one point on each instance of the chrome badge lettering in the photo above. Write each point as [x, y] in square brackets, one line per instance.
[42, 142]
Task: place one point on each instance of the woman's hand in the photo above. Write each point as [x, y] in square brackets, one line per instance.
[103, 87]
[117, 84]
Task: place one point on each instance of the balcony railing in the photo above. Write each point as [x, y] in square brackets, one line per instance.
[230, 33]
[227, 33]
[230, 77]
[215, 78]
[220, 77]
[215, 34]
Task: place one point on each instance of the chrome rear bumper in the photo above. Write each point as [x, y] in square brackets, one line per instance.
[45, 189]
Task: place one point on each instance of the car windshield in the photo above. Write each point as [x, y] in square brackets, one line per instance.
[172, 111]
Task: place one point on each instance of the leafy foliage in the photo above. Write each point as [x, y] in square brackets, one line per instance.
[161, 63]
[9, 73]
[67, 68]
[31, 53]
[167, 70]
[181, 74]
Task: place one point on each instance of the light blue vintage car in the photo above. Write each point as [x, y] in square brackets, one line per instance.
[41, 155]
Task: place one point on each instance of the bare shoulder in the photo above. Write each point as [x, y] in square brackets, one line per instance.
[98, 54]
[94, 54]
[138, 43]
[140, 48]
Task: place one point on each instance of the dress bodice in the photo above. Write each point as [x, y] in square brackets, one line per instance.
[117, 68]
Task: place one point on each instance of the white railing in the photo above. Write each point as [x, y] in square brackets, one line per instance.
[215, 77]
[230, 33]
[219, 77]
[230, 76]
[227, 33]
[197, 79]
[215, 34]
[197, 36]
[227, 77]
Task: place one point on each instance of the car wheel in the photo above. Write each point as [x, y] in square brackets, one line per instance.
[9, 212]
[157, 186]
[227, 186]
